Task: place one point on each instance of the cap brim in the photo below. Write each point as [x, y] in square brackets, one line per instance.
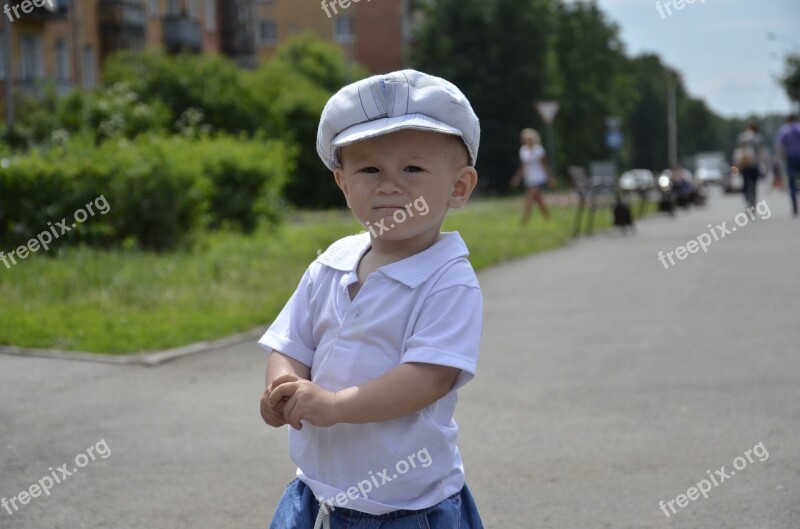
[382, 126]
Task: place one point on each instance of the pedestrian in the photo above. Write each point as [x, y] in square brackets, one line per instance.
[748, 158]
[384, 328]
[788, 147]
[534, 171]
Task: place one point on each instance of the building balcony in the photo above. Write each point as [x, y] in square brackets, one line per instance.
[182, 33]
[122, 25]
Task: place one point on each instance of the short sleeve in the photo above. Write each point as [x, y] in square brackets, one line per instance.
[525, 155]
[291, 332]
[448, 331]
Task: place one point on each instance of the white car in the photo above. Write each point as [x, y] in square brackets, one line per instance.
[637, 180]
[709, 168]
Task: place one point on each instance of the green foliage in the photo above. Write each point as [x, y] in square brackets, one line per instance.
[160, 190]
[791, 78]
[507, 54]
[318, 61]
[296, 86]
[300, 102]
[213, 84]
[283, 99]
[119, 112]
[647, 123]
[593, 68]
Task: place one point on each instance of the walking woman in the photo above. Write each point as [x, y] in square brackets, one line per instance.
[533, 171]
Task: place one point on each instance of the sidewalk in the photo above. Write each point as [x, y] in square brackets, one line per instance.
[606, 384]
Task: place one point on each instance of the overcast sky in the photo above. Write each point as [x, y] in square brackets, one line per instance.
[720, 47]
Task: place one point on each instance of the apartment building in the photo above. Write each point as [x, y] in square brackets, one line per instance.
[375, 33]
[67, 43]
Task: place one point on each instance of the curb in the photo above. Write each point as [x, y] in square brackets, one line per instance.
[146, 358]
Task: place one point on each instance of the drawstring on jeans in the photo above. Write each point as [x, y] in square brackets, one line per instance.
[323, 520]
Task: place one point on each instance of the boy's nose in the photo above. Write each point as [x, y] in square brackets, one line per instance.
[387, 184]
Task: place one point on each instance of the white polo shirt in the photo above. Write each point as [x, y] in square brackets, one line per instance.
[425, 308]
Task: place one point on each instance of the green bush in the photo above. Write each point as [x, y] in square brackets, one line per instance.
[159, 191]
[197, 96]
[213, 84]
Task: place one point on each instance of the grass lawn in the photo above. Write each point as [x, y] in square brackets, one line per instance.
[123, 302]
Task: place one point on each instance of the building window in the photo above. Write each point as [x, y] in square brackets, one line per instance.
[268, 34]
[89, 68]
[173, 7]
[62, 61]
[31, 66]
[211, 15]
[153, 8]
[343, 29]
[194, 8]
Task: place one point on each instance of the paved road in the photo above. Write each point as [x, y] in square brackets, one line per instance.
[607, 383]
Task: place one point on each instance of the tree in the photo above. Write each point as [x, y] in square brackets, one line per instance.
[791, 78]
[596, 79]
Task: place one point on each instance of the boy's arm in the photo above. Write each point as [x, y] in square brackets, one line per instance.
[403, 390]
[280, 365]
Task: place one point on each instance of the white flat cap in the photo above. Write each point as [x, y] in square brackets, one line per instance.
[381, 104]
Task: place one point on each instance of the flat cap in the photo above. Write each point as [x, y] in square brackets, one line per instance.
[401, 100]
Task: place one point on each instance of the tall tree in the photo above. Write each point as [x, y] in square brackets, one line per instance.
[495, 52]
[647, 121]
[791, 78]
[596, 82]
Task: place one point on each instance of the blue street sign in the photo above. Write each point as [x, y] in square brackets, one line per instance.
[614, 139]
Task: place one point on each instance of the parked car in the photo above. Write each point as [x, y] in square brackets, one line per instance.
[640, 180]
[709, 167]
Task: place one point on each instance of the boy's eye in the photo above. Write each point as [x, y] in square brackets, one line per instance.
[414, 169]
[368, 170]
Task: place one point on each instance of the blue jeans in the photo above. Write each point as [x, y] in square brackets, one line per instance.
[298, 509]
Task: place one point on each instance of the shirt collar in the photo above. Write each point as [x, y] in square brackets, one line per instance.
[412, 271]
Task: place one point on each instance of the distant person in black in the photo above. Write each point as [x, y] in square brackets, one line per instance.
[748, 157]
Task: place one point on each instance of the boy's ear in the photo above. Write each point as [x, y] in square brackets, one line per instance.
[338, 175]
[465, 183]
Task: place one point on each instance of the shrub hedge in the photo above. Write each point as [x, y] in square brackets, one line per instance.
[159, 190]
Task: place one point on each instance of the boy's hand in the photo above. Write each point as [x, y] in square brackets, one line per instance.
[306, 401]
[273, 415]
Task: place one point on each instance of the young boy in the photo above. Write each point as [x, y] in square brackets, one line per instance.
[368, 353]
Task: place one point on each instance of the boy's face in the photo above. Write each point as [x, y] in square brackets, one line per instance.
[401, 185]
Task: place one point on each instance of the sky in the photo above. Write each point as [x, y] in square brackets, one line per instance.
[719, 46]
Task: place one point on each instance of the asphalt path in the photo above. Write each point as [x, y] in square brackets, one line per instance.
[607, 383]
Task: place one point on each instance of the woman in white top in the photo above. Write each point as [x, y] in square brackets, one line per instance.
[533, 171]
